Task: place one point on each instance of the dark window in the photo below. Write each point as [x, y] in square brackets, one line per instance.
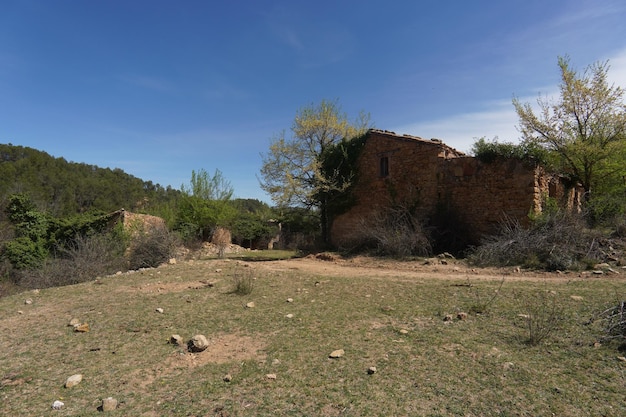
[384, 166]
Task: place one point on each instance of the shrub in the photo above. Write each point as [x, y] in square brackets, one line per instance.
[396, 232]
[151, 249]
[84, 259]
[542, 315]
[222, 239]
[613, 321]
[556, 241]
[25, 253]
[243, 281]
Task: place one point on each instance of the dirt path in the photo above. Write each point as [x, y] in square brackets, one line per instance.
[332, 265]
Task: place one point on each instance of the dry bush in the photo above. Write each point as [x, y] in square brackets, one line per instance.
[613, 320]
[222, 239]
[554, 242]
[84, 260]
[395, 232]
[542, 315]
[243, 281]
[153, 248]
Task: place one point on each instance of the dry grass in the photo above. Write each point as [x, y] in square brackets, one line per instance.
[479, 366]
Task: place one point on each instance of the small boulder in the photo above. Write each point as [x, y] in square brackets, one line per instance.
[461, 315]
[335, 354]
[176, 339]
[159, 310]
[250, 304]
[82, 328]
[73, 380]
[57, 405]
[371, 370]
[198, 343]
[228, 378]
[109, 404]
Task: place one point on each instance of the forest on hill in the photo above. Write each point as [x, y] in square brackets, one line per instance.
[62, 188]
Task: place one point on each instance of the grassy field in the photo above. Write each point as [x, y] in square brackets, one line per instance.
[277, 352]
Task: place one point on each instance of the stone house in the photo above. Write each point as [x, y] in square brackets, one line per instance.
[439, 182]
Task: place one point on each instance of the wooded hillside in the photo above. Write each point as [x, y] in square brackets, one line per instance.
[62, 188]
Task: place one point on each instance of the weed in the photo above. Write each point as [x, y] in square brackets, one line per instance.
[482, 301]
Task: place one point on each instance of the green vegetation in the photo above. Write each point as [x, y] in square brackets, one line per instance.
[292, 170]
[481, 365]
[584, 135]
[63, 188]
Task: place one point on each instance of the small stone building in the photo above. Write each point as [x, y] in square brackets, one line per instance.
[439, 181]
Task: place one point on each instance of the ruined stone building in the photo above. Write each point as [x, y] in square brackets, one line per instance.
[443, 183]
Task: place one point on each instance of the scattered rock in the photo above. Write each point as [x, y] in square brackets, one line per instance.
[176, 339]
[289, 316]
[28, 301]
[74, 323]
[227, 378]
[172, 261]
[621, 358]
[198, 343]
[159, 310]
[250, 304]
[276, 362]
[403, 331]
[218, 270]
[576, 297]
[461, 316]
[336, 354]
[73, 380]
[290, 300]
[597, 272]
[82, 328]
[371, 370]
[270, 376]
[523, 316]
[109, 404]
[447, 317]
[20, 312]
[57, 405]
[508, 365]
[603, 265]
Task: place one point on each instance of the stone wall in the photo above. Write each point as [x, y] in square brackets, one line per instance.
[432, 177]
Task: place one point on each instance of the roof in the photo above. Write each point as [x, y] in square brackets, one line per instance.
[434, 142]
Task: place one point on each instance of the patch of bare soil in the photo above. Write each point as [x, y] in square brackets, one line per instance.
[222, 349]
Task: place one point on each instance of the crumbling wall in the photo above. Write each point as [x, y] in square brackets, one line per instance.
[412, 166]
[441, 183]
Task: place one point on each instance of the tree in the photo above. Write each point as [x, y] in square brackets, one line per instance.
[205, 204]
[584, 130]
[292, 168]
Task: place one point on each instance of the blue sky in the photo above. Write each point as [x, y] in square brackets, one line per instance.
[159, 88]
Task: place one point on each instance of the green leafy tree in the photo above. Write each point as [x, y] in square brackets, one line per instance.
[29, 248]
[292, 171]
[584, 130]
[205, 204]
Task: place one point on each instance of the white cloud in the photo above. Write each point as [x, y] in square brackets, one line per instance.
[498, 119]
